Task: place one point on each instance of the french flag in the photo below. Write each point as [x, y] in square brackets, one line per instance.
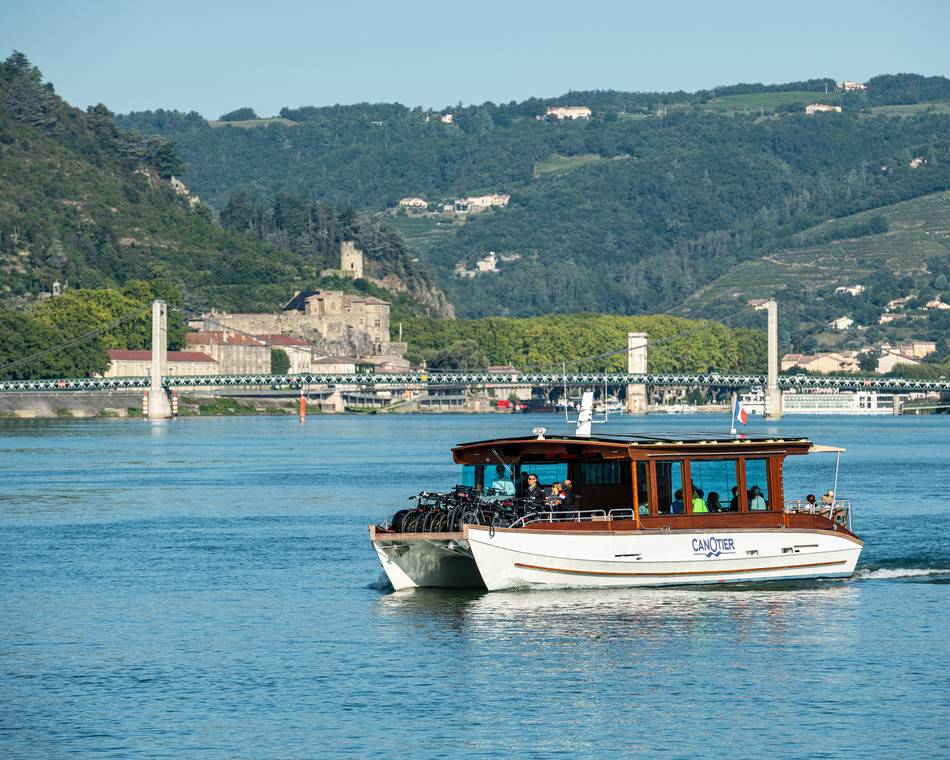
[740, 413]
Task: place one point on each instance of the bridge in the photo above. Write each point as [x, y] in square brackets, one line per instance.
[421, 380]
[636, 380]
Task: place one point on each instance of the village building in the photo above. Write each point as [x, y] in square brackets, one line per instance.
[917, 349]
[235, 353]
[447, 118]
[299, 352]
[413, 203]
[916, 163]
[333, 365]
[138, 363]
[851, 290]
[839, 361]
[849, 86]
[332, 321]
[569, 112]
[841, 323]
[936, 303]
[813, 108]
[896, 303]
[344, 320]
[759, 304]
[891, 359]
[476, 204]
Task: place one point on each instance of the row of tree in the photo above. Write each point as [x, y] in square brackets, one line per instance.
[68, 336]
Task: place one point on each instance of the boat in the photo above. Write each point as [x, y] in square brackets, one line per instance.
[612, 405]
[629, 525]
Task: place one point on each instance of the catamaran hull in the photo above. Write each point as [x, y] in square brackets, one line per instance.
[426, 560]
[520, 558]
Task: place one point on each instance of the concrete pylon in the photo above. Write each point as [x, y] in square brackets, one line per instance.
[773, 396]
[636, 365]
[159, 407]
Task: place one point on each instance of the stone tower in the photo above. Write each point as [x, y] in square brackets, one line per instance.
[351, 260]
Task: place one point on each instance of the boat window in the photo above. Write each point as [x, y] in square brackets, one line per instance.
[473, 475]
[643, 488]
[714, 484]
[669, 487]
[547, 472]
[604, 473]
[757, 484]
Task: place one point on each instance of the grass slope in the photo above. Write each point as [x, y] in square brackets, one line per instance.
[422, 233]
[919, 228]
[558, 164]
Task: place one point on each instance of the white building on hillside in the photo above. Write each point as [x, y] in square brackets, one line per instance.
[813, 108]
[569, 112]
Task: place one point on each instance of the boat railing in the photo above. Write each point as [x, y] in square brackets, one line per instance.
[838, 510]
[575, 515]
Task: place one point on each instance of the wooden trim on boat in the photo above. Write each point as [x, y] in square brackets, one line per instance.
[596, 529]
[676, 574]
[375, 534]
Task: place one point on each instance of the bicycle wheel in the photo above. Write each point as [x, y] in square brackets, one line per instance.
[473, 517]
[409, 522]
[454, 521]
[438, 522]
[396, 522]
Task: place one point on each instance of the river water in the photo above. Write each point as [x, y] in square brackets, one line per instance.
[205, 588]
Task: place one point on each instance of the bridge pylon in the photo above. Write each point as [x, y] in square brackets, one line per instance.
[159, 407]
[636, 365]
[773, 395]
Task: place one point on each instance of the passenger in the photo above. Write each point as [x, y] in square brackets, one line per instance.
[699, 504]
[811, 502]
[676, 508]
[734, 501]
[756, 501]
[502, 483]
[555, 497]
[568, 491]
[534, 491]
[828, 498]
[713, 502]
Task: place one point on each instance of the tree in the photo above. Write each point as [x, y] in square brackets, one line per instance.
[239, 114]
[462, 354]
[279, 361]
[161, 155]
[868, 361]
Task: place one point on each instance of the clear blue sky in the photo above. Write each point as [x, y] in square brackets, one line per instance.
[215, 56]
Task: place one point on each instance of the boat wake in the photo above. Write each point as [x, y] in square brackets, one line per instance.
[891, 573]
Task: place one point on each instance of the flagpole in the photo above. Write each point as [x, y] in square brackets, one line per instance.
[732, 426]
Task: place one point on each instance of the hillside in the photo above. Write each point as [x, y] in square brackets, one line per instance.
[630, 211]
[898, 251]
[84, 204]
[918, 230]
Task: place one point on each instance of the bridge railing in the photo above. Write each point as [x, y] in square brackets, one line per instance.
[465, 379]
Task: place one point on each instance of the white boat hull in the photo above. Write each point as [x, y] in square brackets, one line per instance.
[420, 560]
[515, 558]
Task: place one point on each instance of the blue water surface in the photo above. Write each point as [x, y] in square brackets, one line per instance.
[206, 588]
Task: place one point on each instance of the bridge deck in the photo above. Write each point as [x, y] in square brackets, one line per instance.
[464, 379]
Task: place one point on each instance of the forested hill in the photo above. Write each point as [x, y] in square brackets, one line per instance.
[629, 211]
[88, 205]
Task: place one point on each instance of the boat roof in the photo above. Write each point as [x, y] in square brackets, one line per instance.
[632, 446]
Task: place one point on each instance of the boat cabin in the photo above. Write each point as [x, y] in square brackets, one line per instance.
[676, 481]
